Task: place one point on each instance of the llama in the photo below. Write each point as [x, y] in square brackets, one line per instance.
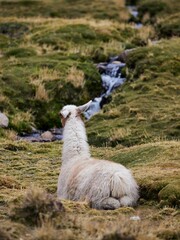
[104, 184]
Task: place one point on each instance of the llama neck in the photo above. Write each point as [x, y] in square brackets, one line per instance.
[75, 140]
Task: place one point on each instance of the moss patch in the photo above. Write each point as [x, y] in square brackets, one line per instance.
[170, 194]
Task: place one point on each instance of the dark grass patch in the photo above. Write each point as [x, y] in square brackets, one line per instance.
[118, 236]
[156, 9]
[169, 26]
[13, 29]
[21, 52]
[36, 205]
[64, 9]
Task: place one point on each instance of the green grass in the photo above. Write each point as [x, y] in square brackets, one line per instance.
[28, 179]
[48, 53]
[64, 9]
[150, 10]
[169, 26]
[53, 45]
[147, 105]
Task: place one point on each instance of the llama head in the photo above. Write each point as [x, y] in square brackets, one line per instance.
[72, 111]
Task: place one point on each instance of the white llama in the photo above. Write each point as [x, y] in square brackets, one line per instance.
[104, 184]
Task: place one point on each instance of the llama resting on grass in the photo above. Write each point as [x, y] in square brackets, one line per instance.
[104, 184]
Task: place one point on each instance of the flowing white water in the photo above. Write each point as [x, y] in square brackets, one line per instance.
[111, 79]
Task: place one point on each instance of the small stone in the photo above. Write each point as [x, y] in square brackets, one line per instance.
[124, 55]
[47, 136]
[4, 121]
[135, 218]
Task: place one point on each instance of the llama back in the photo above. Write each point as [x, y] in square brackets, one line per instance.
[93, 180]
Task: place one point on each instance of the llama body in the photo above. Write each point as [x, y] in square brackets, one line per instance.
[105, 184]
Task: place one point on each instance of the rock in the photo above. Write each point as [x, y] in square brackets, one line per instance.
[47, 136]
[56, 131]
[101, 67]
[4, 121]
[124, 55]
[135, 218]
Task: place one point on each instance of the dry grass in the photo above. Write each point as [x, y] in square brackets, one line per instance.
[113, 46]
[22, 116]
[41, 93]
[13, 60]
[3, 98]
[10, 135]
[82, 50]
[47, 231]
[76, 77]
[35, 206]
[39, 163]
[119, 133]
[46, 74]
[146, 33]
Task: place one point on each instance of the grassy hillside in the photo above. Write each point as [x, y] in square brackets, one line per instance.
[29, 175]
[147, 107]
[48, 51]
[46, 63]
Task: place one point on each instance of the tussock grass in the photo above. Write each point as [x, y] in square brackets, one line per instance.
[22, 121]
[76, 77]
[155, 166]
[41, 93]
[96, 9]
[36, 205]
[48, 51]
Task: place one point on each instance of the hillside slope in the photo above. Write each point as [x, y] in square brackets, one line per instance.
[48, 55]
[147, 107]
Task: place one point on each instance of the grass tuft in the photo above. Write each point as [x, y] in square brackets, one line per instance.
[36, 205]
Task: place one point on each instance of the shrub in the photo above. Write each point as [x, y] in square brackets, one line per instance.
[13, 29]
[36, 205]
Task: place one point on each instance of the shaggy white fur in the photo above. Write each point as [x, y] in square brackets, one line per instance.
[104, 184]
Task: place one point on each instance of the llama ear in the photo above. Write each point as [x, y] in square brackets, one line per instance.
[65, 113]
[84, 107]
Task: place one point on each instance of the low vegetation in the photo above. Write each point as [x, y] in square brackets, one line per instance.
[147, 106]
[47, 59]
[24, 166]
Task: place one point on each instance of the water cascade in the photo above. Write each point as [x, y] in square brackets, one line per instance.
[112, 78]
[111, 75]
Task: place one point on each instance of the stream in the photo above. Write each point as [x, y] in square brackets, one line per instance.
[111, 77]
[111, 74]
